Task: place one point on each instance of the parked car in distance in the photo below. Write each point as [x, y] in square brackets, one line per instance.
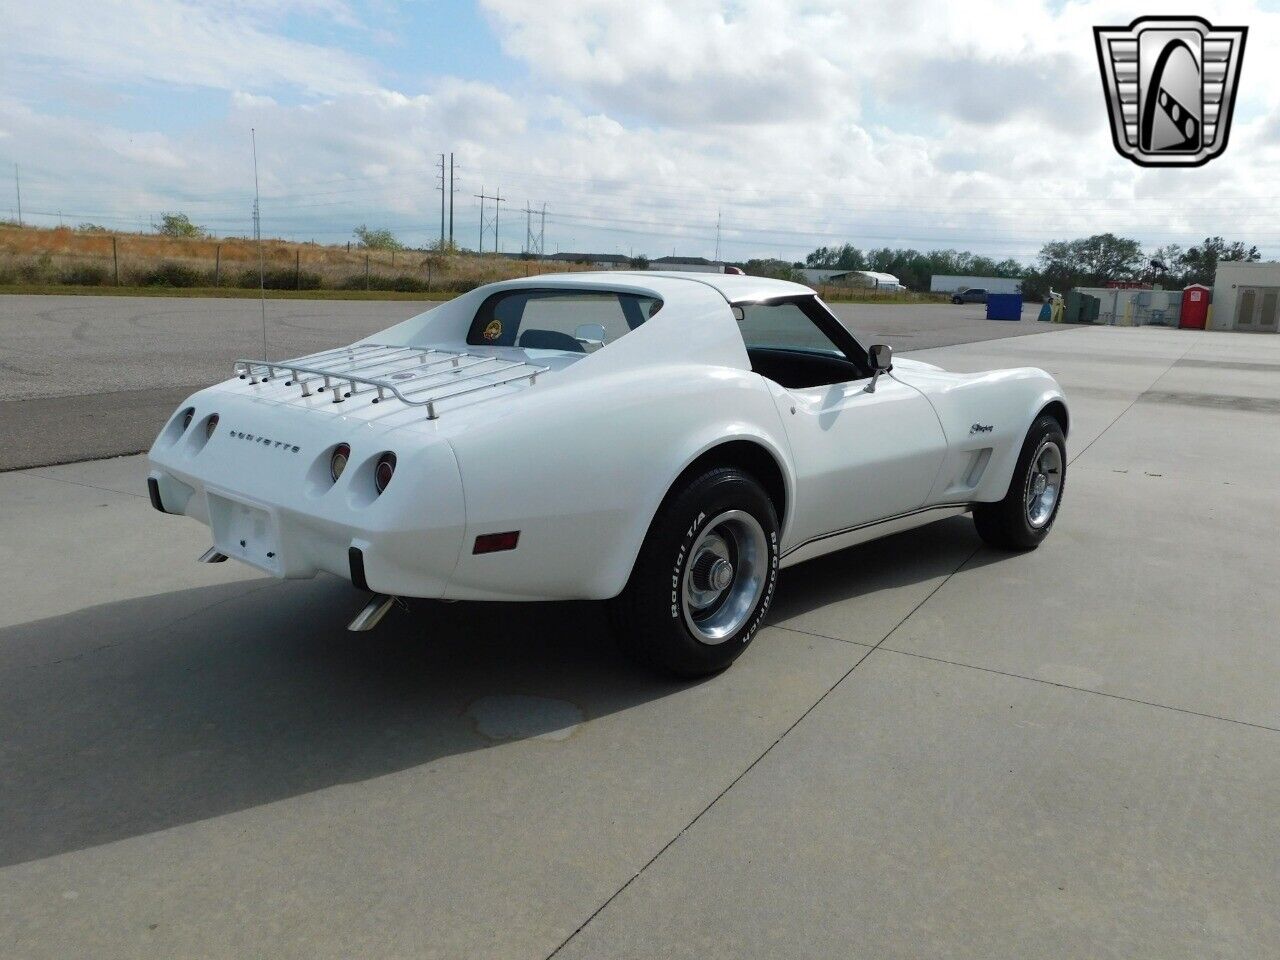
[970, 295]
[664, 442]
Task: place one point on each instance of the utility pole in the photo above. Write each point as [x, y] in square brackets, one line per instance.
[542, 233]
[452, 188]
[482, 198]
[498, 198]
[528, 228]
[441, 189]
[717, 234]
[17, 185]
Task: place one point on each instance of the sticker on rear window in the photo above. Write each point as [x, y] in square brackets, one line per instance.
[494, 330]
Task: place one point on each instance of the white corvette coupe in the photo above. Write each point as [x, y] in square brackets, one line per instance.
[662, 441]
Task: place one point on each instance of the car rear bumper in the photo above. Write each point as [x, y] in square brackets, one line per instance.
[276, 507]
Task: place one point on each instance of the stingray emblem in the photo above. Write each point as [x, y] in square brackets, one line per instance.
[1170, 84]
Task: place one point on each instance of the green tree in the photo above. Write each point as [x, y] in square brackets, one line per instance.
[1200, 263]
[1087, 262]
[769, 267]
[912, 267]
[377, 239]
[179, 225]
[844, 257]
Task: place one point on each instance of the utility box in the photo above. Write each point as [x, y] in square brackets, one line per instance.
[1081, 308]
[1094, 308]
[1195, 307]
[1004, 306]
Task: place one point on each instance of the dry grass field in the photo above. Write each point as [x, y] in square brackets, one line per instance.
[34, 259]
[65, 260]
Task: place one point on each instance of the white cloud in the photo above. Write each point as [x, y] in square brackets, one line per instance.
[176, 42]
[917, 123]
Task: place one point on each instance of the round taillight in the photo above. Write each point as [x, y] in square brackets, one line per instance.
[210, 425]
[187, 416]
[384, 470]
[338, 460]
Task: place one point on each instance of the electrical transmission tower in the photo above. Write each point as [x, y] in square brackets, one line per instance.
[497, 198]
[535, 244]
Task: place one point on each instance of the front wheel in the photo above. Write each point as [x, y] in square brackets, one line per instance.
[704, 578]
[1023, 518]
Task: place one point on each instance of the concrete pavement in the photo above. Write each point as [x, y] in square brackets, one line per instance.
[91, 377]
[934, 750]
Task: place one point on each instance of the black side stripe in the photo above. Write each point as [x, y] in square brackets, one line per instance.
[873, 523]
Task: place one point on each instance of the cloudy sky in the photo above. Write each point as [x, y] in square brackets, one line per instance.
[976, 125]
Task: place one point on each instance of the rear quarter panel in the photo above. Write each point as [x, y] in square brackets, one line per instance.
[582, 472]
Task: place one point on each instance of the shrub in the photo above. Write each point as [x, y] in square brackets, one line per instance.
[39, 270]
[85, 275]
[169, 274]
[280, 278]
[459, 285]
[179, 225]
[403, 283]
[377, 239]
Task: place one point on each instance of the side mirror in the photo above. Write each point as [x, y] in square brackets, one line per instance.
[880, 356]
[591, 335]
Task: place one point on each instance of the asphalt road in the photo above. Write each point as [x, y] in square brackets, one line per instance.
[87, 377]
[932, 750]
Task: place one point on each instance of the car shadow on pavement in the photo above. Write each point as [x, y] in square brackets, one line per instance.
[915, 556]
[135, 716]
[130, 717]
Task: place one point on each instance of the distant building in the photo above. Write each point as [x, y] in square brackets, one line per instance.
[856, 278]
[1246, 296]
[606, 261]
[687, 265]
[815, 276]
[947, 283]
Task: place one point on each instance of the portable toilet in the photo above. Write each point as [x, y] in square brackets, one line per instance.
[1195, 306]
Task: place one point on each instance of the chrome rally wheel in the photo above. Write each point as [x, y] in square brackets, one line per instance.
[725, 576]
[1044, 481]
[702, 584]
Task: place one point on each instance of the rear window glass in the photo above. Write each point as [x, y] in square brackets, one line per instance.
[558, 319]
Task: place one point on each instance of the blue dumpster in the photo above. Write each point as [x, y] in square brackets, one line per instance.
[1004, 306]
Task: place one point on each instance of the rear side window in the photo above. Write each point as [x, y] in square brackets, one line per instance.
[782, 326]
[554, 319]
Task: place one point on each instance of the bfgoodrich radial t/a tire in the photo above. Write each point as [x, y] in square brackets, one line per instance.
[1023, 518]
[705, 576]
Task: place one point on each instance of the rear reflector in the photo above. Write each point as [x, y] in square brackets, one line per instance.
[493, 542]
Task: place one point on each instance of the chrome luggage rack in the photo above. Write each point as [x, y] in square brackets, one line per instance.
[401, 373]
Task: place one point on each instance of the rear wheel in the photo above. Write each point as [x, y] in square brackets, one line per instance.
[704, 578]
[1023, 518]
